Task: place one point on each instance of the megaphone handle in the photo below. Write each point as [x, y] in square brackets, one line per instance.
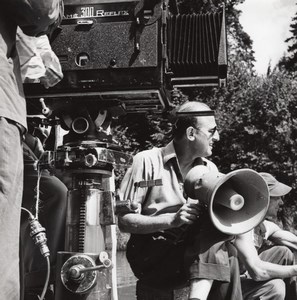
[182, 230]
[176, 234]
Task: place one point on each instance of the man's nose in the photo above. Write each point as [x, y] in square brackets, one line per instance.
[281, 202]
[216, 136]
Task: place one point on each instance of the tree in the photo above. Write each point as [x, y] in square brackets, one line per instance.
[289, 62]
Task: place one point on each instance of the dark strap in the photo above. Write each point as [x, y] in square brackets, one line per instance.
[148, 183]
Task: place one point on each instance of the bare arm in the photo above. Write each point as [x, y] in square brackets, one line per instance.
[285, 238]
[141, 224]
[260, 270]
[281, 237]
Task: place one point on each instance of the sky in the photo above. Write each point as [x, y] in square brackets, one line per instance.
[268, 23]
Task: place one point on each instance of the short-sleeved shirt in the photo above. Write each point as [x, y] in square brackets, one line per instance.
[262, 232]
[150, 168]
[204, 248]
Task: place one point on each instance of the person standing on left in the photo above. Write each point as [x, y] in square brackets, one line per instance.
[34, 17]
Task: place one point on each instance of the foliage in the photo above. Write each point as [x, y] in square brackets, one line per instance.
[289, 61]
[239, 42]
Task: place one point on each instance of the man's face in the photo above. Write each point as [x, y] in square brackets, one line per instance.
[206, 134]
[274, 206]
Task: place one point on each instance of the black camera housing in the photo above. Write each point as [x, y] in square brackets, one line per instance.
[132, 54]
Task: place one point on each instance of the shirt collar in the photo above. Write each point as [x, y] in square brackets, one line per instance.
[169, 152]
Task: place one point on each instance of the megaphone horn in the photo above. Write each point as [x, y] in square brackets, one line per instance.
[237, 201]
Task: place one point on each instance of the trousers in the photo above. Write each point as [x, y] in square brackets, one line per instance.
[11, 188]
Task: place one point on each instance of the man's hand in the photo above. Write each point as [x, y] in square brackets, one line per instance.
[187, 214]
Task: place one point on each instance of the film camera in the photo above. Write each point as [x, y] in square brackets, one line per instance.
[133, 53]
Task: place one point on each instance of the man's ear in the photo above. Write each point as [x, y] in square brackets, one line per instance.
[190, 133]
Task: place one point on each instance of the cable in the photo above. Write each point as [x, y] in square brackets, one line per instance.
[37, 233]
[29, 213]
[47, 279]
[39, 172]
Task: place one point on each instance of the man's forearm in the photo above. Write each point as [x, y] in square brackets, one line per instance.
[266, 270]
[284, 237]
[292, 246]
[140, 224]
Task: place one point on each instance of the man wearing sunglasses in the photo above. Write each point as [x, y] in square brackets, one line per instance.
[173, 242]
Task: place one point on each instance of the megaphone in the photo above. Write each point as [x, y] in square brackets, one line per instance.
[237, 201]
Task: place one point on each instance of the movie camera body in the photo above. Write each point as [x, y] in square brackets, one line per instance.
[134, 53]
